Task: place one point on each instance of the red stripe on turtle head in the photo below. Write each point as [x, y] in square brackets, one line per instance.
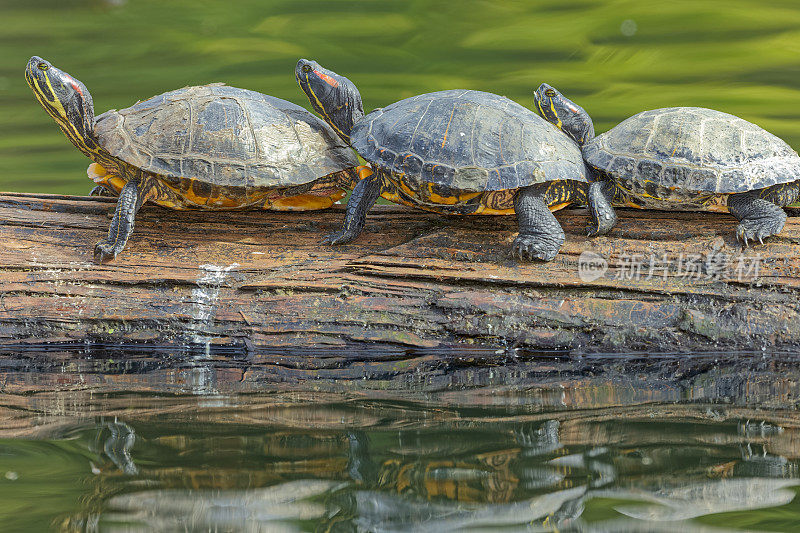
[74, 83]
[327, 79]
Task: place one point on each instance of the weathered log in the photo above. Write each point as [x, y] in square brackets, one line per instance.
[675, 281]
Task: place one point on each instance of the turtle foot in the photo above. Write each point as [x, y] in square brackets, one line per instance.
[104, 252]
[758, 229]
[594, 229]
[339, 237]
[101, 191]
[602, 223]
[535, 247]
[603, 217]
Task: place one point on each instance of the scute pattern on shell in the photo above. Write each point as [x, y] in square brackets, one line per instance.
[467, 140]
[696, 149]
[224, 136]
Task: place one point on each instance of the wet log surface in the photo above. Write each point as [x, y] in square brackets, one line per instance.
[675, 282]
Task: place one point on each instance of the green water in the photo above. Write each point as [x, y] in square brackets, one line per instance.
[166, 442]
[616, 58]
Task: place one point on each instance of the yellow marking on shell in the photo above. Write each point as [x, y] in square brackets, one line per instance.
[188, 199]
[450, 200]
[485, 210]
[481, 209]
[448, 126]
[305, 202]
[262, 198]
[556, 207]
[391, 194]
[223, 202]
[394, 197]
[718, 203]
[644, 193]
[364, 172]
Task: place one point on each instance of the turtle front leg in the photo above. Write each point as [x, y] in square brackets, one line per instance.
[603, 216]
[540, 235]
[131, 198]
[759, 216]
[365, 194]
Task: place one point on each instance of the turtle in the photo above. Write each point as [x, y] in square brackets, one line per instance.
[454, 152]
[682, 159]
[203, 147]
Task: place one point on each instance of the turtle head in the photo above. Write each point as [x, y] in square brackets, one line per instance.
[568, 116]
[332, 96]
[65, 99]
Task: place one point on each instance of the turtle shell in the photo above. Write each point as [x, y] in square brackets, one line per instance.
[224, 136]
[696, 149]
[467, 140]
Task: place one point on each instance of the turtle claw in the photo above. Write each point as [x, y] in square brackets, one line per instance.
[593, 230]
[601, 226]
[757, 229]
[101, 191]
[104, 252]
[534, 247]
[339, 237]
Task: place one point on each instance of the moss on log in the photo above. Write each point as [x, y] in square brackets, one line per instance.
[674, 281]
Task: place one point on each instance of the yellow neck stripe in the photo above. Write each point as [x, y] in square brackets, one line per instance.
[56, 110]
[324, 111]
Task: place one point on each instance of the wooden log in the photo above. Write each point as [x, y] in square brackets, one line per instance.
[674, 281]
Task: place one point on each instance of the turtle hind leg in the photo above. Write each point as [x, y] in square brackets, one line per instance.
[540, 235]
[131, 198]
[603, 216]
[365, 194]
[758, 216]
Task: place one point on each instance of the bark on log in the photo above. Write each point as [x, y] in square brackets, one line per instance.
[412, 279]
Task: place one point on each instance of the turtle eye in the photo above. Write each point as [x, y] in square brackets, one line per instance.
[43, 66]
[550, 93]
[306, 68]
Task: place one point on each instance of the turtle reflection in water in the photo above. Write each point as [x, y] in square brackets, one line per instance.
[209, 147]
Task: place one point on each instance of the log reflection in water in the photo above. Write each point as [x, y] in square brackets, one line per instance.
[594, 444]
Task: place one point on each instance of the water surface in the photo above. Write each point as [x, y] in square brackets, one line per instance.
[615, 57]
[541, 443]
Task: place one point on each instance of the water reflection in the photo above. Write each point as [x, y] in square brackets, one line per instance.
[117, 445]
[166, 475]
[433, 477]
[673, 502]
[277, 508]
[570, 450]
